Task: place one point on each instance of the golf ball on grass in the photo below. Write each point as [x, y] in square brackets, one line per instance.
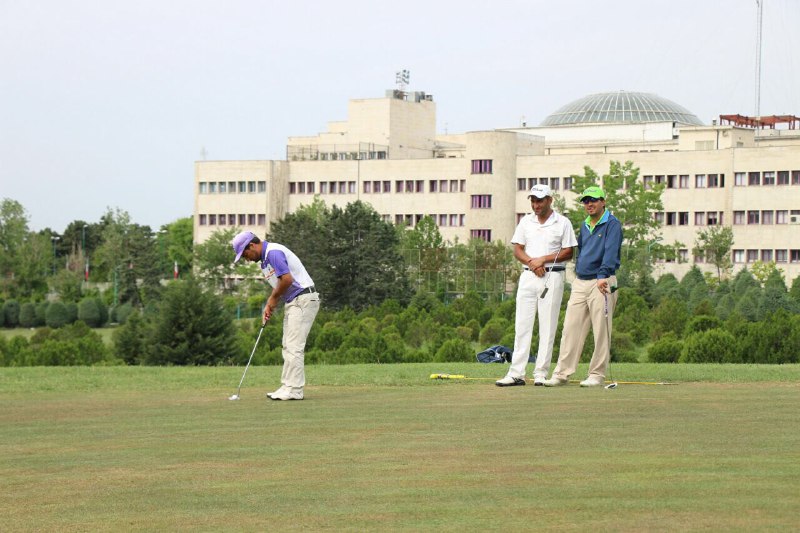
[234, 397]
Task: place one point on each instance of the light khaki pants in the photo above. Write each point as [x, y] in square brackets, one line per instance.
[586, 307]
[298, 318]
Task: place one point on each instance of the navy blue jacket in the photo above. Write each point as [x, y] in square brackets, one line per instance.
[599, 250]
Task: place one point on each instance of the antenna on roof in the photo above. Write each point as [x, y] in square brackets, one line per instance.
[402, 78]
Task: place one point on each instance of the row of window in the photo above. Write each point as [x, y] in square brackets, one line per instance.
[525, 184]
[441, 220]
[250, 219]
[377, 187]
[714, 218]
[225, 187]
[779, 256]
[781, 177]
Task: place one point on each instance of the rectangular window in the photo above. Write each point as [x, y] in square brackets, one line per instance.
[567, 184]
[699, 218]
[738, 217]
[251, 186]
[671, 219]
[659, 217]
[301, 187]
[242, 187]
[262, 220]
[203, 220]
[399, 220]
[433, 186]
[660, 179]
[420, 186]
[251, 219]
[442, 220]
[752, 217]
[332, 187]
[769, 178]
[738, 256]
[683, 254]
[521, 184]
[442, 185]
[481, 201]
[409, 186]
[461, 220]
[484, 234]
[766, 256]
[481, 166]
[367, 187]
[713, 180]
[351, 187]
[699, 257]
[752, 256]
[311, 186]
[222, 188]
[387, 187]
[231, 220]
[672, 181]
[783, 177]
[323, 187]
[648, 182]
[342, 187]
[781, 217]
[532, 182]
[766, 217]
[781, 256]
[754, 178]
[684, 181]
[212, 220]
[231, 187]
[462, 186]
[699, 181]
[398, 185]
[242, 220]
[292, 187]
[795, 177]
[683, 218]
[453, 185]
[212, 187]
[202, 187]
[262, 186]
[554, 182]
[794, 256]
[376, 187]
[222, 220]
[712, 220]
[739, 179]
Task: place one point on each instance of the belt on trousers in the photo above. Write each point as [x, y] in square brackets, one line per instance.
[558, 268]
[307, 290]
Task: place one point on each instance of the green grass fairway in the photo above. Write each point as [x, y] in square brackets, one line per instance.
[385, 448]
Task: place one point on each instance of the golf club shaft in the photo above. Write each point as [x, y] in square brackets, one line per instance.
[238, 390]
[547, 278]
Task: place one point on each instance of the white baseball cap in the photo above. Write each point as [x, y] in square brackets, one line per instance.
[540, 191]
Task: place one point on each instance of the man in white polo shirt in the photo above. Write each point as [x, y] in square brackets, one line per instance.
[543, 241]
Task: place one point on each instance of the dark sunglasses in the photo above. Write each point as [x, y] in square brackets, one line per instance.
[590, 200]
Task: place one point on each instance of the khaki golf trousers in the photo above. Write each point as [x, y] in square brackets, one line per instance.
[298, 318]
[586, 307]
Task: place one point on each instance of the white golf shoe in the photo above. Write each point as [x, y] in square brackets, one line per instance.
[538, 381]
[284, 393]
[510, 381]
[593, 381]
[555, 382]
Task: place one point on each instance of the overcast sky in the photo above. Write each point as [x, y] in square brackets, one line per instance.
[105, 103]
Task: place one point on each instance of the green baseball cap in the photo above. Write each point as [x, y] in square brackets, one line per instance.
[593, 192]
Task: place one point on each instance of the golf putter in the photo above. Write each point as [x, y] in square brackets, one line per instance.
[613, 384]
[546, 288]
[236, 396]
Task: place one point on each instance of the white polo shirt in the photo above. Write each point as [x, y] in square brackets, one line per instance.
[544, 239]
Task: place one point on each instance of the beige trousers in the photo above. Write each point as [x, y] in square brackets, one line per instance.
[298, 318]
[586, 307]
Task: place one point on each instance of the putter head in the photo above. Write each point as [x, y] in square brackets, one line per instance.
[612, 385]
[234, 397]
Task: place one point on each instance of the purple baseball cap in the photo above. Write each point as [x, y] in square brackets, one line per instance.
[240, 242]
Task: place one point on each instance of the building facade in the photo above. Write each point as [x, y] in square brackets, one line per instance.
[474, 184]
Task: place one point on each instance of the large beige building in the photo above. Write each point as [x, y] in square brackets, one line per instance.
[475, 184]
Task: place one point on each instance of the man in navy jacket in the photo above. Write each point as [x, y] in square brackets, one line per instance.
[592, 299]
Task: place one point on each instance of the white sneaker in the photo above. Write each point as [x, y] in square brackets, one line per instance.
[280, 389]
[555, 382]
[538, 381]
[285, 394]
[509, 381]
[593, 381]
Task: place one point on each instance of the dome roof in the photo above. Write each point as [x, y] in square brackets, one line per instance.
[621, 108]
